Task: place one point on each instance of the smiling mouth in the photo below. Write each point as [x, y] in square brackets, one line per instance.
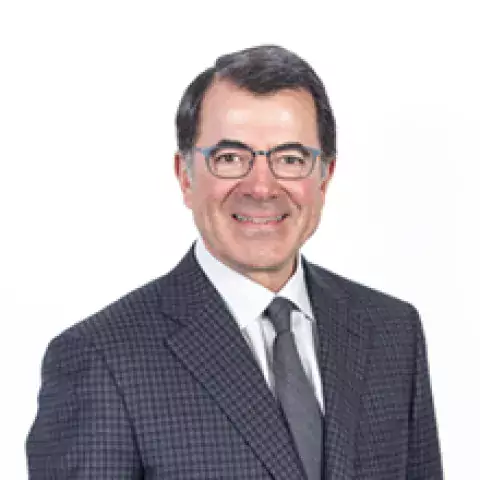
[259, 220]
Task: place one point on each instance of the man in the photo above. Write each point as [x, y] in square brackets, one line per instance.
[245, 361]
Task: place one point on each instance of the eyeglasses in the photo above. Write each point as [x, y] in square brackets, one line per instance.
[231, 159]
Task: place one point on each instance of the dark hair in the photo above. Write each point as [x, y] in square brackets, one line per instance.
[261, 70]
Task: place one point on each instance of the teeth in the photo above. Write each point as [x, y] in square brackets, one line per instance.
[258, 220]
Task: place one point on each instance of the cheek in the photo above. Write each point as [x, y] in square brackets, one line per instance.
[308, 196]
[208, 197]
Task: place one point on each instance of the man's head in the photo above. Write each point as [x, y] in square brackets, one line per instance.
[255, 211]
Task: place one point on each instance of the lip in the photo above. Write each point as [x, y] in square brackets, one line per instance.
[262, 215]
[267, 224]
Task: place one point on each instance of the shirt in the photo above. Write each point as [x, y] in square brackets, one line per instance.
[256, 328]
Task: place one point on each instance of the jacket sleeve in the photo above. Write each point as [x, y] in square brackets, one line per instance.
[82, 430]
[424, 457]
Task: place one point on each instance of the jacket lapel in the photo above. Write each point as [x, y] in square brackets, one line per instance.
[344, 338]
[212, 348]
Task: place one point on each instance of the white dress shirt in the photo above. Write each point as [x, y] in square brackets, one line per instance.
[247, 300]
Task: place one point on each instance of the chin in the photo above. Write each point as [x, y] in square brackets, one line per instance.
[263, 260]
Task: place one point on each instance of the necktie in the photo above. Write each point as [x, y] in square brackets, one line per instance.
[294, 391]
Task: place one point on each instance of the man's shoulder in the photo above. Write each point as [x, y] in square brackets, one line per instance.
[147, 314]
[359, 295]
[138, 313]
[396, 322]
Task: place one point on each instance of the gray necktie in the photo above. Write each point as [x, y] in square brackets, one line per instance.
[294, 391]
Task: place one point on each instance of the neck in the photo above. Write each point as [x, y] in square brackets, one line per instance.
[272, 278]
[274, 283]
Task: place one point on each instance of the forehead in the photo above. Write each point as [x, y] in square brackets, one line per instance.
[232, 112]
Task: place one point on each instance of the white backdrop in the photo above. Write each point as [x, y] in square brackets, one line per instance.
[89, 204]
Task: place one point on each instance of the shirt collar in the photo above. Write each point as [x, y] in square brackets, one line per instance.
[235, 288]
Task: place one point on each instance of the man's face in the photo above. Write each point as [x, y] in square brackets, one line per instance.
[260, 122]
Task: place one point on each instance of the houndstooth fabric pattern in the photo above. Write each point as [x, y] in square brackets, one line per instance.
[161, 385]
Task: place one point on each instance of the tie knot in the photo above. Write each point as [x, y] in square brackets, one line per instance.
[279, 312]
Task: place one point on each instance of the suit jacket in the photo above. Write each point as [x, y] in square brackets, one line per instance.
[162, 385]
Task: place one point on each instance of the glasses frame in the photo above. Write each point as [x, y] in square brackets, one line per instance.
[315, 152]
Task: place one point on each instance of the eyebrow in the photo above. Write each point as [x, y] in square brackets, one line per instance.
[227, 142]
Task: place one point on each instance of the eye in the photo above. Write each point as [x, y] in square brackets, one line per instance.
[292, 160]
[230, 156]
[227, 158]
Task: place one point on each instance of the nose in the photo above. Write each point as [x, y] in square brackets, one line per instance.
[260, 183]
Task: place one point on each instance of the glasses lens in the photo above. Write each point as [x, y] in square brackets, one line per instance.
[230, 162]
[292, 163]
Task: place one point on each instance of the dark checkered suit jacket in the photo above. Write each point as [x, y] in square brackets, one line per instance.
[161, 385]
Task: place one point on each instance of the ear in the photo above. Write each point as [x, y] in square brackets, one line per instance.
[183, 178]
[328, 175]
